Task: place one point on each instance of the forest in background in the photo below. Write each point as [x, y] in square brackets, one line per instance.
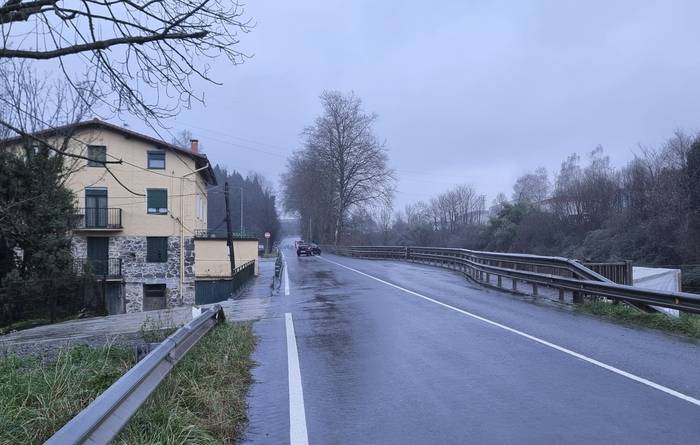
[259, 211]
[647, 211]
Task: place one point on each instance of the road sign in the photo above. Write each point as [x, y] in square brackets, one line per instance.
[267, 235]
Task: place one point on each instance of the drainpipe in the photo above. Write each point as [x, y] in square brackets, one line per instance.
[182, 231]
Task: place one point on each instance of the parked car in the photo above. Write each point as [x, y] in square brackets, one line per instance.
[304, 249]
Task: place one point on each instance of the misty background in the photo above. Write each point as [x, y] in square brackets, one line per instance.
[467, 92]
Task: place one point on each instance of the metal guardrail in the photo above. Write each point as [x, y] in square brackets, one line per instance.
[105, 417]
[619, 272]
[554, 272]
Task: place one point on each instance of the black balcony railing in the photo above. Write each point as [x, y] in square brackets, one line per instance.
[99, 218]
[109, 268]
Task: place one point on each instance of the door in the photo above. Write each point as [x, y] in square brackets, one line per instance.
[95, 208]
[98, 254]
[211, 291]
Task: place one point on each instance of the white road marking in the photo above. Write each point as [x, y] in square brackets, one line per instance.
[286, 274]
[590, 360]
[297, 415]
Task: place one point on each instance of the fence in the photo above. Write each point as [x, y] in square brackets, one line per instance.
[563, 274]
[51, 299]
[618, 272]
[109, 268]
[241, 274]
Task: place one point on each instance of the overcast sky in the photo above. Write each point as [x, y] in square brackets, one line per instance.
[466, 92]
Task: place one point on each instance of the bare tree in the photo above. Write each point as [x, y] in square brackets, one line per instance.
[341, 153]
[145, 53]
[183, 139]
[385, 219]
[30, 103]
[532, 188]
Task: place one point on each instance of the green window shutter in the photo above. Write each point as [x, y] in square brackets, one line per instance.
[97, 155]
[157, 201]
[157, 249]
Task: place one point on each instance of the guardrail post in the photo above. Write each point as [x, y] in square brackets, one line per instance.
[577, 296]
[515, 283]
[499, 279]
[534, 289]
[561, 294]
[488, 278]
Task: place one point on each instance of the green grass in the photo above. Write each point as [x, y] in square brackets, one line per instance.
[202, 401]
[38, 399]
[686, 324]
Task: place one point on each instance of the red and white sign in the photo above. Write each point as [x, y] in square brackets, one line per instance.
[267, 235]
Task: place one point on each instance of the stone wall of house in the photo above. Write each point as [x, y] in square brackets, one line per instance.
[136, 271]
[79, 247]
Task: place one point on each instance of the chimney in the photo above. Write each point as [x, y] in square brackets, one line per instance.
[195, 145]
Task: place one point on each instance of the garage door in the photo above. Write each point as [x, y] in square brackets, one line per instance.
[211, 291]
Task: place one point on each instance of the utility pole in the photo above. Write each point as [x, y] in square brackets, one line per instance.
[229, 233]
[309, 230]
[242, 231]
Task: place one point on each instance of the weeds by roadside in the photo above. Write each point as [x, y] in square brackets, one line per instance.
[38, 399]
[157, 329]
[686, 324]
[203, 400]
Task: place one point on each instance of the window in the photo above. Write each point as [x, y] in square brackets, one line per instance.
[200, 207]
[156, 160]
[97, 155]
[157, 201]
[157, 249]
[153, 297]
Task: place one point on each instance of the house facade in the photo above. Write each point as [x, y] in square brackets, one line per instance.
[141, 223]
[138, 215]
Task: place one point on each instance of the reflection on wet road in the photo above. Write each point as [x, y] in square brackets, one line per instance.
[379, 364]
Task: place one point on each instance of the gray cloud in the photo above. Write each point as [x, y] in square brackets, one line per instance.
[467, 92]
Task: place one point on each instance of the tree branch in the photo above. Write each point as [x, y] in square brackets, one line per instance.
[99, 45]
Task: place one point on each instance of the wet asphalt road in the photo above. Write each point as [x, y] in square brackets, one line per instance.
[379, 365]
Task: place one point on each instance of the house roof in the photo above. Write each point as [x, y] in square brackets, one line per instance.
[200, 159]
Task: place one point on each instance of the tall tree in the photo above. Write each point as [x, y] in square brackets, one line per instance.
[346, 164]
[36, 209]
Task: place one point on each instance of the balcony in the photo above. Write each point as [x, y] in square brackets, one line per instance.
[111, 268]
[99, 219]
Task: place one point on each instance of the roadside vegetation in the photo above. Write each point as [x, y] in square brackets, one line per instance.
[686, 324]
[647, 211]
[37, 399]
[201, 402]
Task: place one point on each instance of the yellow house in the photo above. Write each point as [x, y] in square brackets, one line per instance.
[140, 214]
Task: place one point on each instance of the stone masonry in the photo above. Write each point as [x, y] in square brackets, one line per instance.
[136, 271]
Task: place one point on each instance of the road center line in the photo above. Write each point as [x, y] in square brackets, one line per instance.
[590, 360]
[286, 274]
[297, 415]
